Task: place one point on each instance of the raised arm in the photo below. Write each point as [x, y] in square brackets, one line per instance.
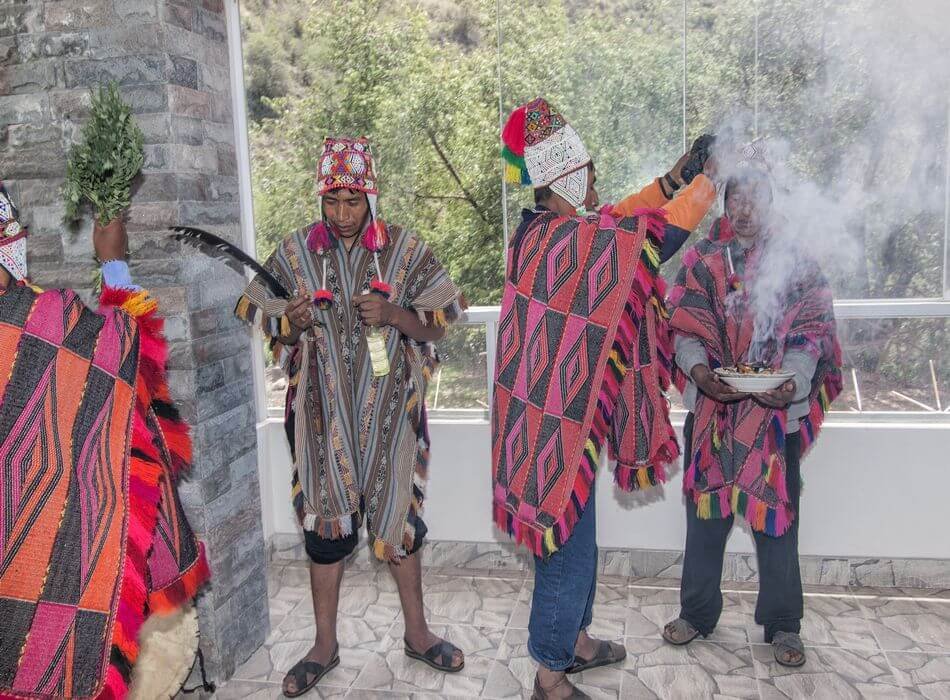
[684, 213]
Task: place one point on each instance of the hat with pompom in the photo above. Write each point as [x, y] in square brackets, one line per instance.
[542, 150]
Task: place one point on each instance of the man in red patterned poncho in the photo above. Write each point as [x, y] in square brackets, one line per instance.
[743, 452]
[583, 360]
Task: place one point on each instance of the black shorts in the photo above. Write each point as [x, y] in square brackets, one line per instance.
[322, 551]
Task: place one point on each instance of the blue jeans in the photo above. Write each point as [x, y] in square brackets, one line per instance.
[564, 587]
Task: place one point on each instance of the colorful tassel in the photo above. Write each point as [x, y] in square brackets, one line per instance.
[319, 239]
[381, 288]
[171, 598]
[376, 237]
[323, 299]
[513, 140]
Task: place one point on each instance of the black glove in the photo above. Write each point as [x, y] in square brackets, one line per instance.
[698, 155]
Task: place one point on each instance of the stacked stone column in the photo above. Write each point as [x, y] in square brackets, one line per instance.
[170, 58]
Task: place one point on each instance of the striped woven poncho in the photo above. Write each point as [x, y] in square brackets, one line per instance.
[361, 443]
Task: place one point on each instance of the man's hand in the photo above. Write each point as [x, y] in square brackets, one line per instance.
[300, 313]
[111, 242]
[676, 172]
[713, 387]
[375, 310]
[778, 398]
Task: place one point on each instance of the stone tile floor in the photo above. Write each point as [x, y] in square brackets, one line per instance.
[863, 642]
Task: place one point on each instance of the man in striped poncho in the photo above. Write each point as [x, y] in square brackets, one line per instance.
[369, 300]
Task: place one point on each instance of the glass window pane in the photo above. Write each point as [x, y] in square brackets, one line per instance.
[862, 112]
[613, 69]
[895, 365]
[420, 81]
[461, 384]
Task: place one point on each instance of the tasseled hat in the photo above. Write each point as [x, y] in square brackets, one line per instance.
[348, 164]
[750, 158]
[541, 149]
[12, 238]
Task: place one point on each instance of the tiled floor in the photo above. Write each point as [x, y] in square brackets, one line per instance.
[878, 643]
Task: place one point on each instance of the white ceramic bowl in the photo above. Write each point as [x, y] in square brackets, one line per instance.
[753, 383]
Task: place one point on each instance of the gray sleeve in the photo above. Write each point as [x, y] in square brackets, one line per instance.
[689, 353]
[803, 364]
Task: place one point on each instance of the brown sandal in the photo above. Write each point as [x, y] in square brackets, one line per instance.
[784, 645]
[672, 631]
[439, 656]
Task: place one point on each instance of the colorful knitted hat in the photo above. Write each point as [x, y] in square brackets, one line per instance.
[744, 159]
[754, 156]
[543, 150]
[348, 164]
[12, 238]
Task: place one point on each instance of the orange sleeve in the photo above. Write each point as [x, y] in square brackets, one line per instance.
[689, 208]
[650, 197]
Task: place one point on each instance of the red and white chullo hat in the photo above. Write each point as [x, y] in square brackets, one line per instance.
[541, 149]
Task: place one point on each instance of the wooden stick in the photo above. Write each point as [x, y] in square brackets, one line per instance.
[913, 401]
[857, 388]
[933, 378]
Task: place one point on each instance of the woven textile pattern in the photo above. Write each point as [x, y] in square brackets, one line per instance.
[12, 238]
[346, 163]
[361, 442]
[574, 302]
[738, 460]
[560, 154]
[573, 187]
[79, 463]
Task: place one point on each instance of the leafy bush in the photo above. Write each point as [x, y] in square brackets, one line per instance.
[103, 164]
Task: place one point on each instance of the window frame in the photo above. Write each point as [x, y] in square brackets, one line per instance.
[845, 309]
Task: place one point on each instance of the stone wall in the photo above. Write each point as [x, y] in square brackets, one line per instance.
[170, 58]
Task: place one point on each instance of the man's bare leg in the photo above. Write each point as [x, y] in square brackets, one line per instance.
[325, 581]
[408, 576]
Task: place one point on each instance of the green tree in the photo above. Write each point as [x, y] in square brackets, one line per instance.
[424, 80]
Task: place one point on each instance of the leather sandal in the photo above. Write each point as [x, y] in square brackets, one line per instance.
[304, 669]
[607, 653]
[679, 632]
[784, 643]
[540, 693]
[439, 656]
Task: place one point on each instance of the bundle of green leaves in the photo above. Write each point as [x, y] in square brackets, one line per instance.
[103, 164]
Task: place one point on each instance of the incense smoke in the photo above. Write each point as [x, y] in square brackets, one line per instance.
[858, 159]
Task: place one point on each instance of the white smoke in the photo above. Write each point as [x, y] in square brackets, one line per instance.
[870, 159]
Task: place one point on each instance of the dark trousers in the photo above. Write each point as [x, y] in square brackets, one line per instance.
[780, 605]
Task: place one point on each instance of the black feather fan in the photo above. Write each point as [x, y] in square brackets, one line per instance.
[218, 248]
